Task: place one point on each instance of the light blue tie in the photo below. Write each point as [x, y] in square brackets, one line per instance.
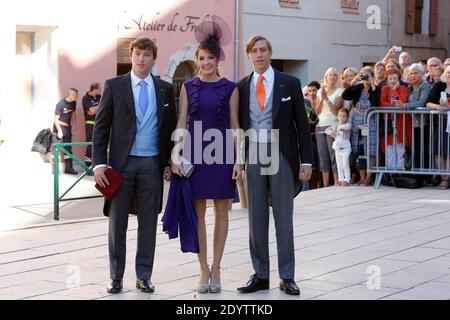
[143, 97]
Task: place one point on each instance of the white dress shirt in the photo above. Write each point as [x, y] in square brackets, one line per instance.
[268, 82]
[135, 80]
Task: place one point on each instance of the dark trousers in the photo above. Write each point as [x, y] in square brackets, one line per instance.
[142, 183]
[280, 185]
[88, 154]
[422, 146]
[67, 138]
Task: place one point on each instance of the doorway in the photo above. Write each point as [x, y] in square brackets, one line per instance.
[184, 72]
[24, 64]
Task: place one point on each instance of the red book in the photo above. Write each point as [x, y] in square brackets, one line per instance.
[115, 182]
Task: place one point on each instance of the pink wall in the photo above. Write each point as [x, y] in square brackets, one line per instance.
[88, 40]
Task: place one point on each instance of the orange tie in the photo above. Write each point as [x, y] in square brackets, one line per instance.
[260, 92]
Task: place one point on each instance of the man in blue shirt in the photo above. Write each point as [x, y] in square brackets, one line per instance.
[135, 119]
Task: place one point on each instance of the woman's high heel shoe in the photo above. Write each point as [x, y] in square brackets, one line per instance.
[215, 287]
[203, 285]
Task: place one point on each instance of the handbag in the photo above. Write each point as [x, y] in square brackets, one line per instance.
[186, 167]
[43, 142]
[115, 182]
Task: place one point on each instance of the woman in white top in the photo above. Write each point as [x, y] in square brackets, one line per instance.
[328, 103]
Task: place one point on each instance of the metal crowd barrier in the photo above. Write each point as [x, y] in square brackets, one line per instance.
[422, 135]
[57, 147]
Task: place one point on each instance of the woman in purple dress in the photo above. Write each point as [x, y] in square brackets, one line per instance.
[209, 110]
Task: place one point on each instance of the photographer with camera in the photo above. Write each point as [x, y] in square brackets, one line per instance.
[405, 59]
[365, 95]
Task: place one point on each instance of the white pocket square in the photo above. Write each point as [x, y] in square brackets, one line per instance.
[166, 105]
[286, 99]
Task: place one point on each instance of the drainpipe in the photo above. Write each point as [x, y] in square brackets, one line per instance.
[389, 10]
[237, 32]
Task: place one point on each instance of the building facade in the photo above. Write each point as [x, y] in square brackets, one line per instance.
[308, 36]
[51, 46]
[421, 27]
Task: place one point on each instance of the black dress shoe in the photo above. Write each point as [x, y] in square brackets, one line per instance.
[254, 284]
[115, 286]
[70, 171]
[289, 287]
[145, 285]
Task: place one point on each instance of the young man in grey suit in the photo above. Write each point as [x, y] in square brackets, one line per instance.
[136, 118]
[272, 109]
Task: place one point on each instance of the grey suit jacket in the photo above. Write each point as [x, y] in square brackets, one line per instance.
[115, 124]
[420, 95]
[288, 116]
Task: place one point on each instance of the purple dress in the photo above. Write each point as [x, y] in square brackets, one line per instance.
[212, 153]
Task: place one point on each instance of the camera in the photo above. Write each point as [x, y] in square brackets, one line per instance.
[365, 77]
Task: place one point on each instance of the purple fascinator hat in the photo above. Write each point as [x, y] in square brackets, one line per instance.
[214, 35]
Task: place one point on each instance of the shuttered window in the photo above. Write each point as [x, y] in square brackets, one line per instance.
[410, 16]
[289, 3]
[422, 17]
[418, 16]
[433, 17]
[350, 6]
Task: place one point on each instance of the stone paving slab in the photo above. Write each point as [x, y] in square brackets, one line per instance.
[398, 239]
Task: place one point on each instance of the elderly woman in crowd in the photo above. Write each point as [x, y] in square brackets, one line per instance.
[394, 64]
[440, 101]
[419, 91]
[395, 95]
[365, 95]
[328, 103]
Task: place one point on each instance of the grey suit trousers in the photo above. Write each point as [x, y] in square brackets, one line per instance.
[281, 187]
[142, 182]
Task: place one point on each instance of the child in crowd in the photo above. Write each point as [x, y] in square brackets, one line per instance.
[341, 145]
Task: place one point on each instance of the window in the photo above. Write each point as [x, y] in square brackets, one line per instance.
[418, 16]
[289, 3]
[422, 17]
[350, 6]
